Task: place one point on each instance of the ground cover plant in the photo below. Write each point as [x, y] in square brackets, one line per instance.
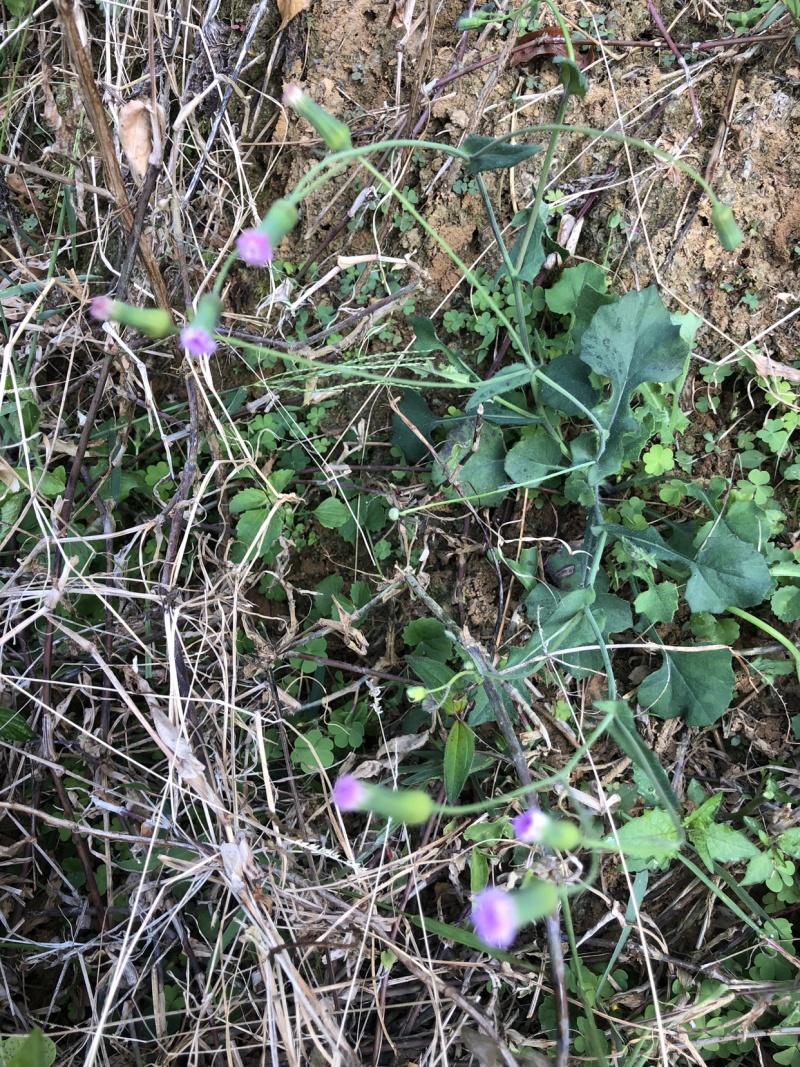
[400, 599]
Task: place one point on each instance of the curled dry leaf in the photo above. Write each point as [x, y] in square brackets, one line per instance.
[289, 9]
[770, 368]
[140, 134]
[397, 747]
[187, 764]
[544, 44]
[8, 477]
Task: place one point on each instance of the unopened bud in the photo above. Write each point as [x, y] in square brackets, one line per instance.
[152, 322]
[416, 693]
[411, 806]
[730, 236]
[333, 132]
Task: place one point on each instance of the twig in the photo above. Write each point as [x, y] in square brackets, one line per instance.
[255, 21]
[97, 116]
[662, 29]
[478, 656]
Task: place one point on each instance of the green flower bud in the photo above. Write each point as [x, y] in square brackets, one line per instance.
[534, 900]
[416, 693]
[410, 806]
[333, 132]
[209, 311]
[562, 835]
[152, 322]
[730, 236]
[470, 22]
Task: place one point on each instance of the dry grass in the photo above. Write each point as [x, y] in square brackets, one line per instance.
[175, 889]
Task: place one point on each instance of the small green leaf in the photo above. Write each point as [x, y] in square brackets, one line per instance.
[248, 499]
[488, 153]
[659, 603]
[652, 836]
[571, 76]
[257, 533]
[712, 630]
[33, 1050]
[759, 870]
[786, 603]
[695, 685]
[533, 460]
[716, 841]
[415, 409]
[458, 755]
[478, 870]
[388, 959]
[332, 513]
[14, 728]
[484, 471]
[789, 842]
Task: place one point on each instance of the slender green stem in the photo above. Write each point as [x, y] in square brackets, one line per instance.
[789, 645]
[565, 33]
[547, 163]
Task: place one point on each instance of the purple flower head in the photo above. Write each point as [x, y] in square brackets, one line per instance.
[292, 95]
[102, 308]
[197, 341]
[255, 248]
[494, 916]
[530, 826]
[349, 794]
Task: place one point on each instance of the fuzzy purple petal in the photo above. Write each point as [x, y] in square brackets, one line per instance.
[197, 341]
[349, 794]
[494, 917]
[254, 248]
[102, 308]
[530, 826]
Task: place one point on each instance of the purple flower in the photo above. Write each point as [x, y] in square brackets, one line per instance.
[349, 794]
[197, 341]
[102, 308]
[254, 248]
[494, 916]
[530, 826]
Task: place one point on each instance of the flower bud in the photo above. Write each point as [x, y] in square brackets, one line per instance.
[333, 132]
[497, 916]
[533, 827]
[152, 322]
[257, 246]
[730, 236]
[197, 338]
[470, 22]
[411, 806]
[416, 693]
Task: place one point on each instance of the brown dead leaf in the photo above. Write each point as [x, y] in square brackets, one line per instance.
[544, 44]
[770, 368]
[290, 9]
[140, 136]
[8, 476]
